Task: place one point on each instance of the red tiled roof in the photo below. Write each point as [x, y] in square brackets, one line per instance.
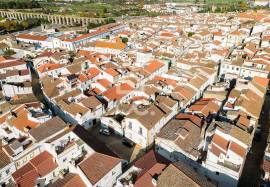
[104, 82]
[11, 63]
[82, 77]
[24, 72]
[69, 180]
[220, 142]
[153, 66]
[117, 44]
[205, 107]
[194, 119]
[244, 121]
[167, 34]
[166, 80]
[85, 53]
[39, 166]
[48, 67]
[238, 149]
[151, 163]
[3, 118]
[137, 98]
[97, 166]
[44, 163]
[112, 72]
[96, 91]
[32, 37]
[46, 54]
[3, 58]
[185, 92]
[117, 92]
[92, 72]
[217, 33]
[21, 121]
[216, 151]
[146, 179]
[261, 81]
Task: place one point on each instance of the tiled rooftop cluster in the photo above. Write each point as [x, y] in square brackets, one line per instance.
[190, 87]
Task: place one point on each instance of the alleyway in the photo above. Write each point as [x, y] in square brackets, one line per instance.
[252, 170]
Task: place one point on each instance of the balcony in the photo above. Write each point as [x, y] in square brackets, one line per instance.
[61, 149]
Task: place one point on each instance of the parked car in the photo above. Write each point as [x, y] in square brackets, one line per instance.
[128, 142]
[105, 132]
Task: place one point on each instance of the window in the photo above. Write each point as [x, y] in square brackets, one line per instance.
[113, 173]
[130, 125]
[140, 131]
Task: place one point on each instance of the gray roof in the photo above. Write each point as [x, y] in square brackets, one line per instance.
[15, 145]
[47, 129]
[148, 116]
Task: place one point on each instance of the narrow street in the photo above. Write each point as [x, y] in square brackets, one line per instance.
[107, 145]
[252, 170]
[36, 86]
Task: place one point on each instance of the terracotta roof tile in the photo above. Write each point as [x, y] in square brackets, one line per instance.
[104, 82]
[239, 150]
[93, 72]
[97, 166]
[69, 180]
[153, 66]
[112, 72]
[216, 151]
[39, 166]
[151, 163]
[244, 121]
[82, 77]
[261, 81]
[21, 122]
[220, 142]
[116, 44]
[32, 37]
[48, 67]
[193, 118]
[117, 92]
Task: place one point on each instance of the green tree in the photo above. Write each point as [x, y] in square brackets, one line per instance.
[124, 40]
[243, 5]
[9, 52]
[104, 10]
[110, 20]
[190, 34]
[10, 25]
[25, 24]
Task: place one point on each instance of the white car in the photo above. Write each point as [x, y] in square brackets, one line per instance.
[104, 131]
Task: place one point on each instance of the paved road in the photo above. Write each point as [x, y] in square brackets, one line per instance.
[114, 143]
[36, 86]
[252, 171]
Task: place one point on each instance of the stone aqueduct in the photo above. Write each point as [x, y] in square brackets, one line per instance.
[54, 19]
